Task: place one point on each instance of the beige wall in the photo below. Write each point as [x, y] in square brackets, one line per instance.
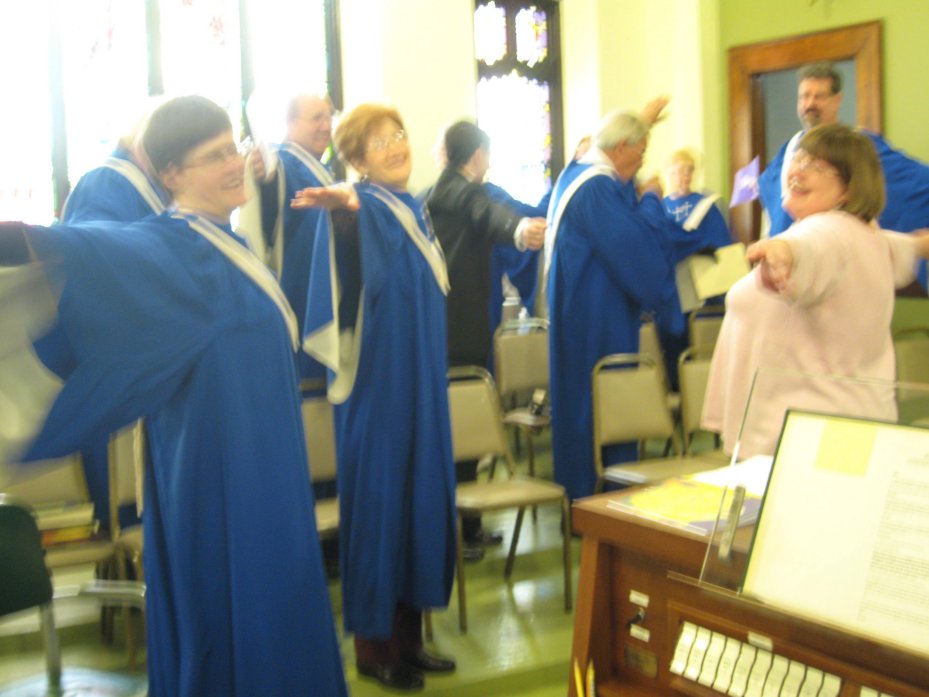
[425, 68]
[618, 54]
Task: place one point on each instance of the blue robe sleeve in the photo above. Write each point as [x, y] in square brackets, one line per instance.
[520, 267]
[121, 295]
[907, 183]
[769, 189]
[711, 234]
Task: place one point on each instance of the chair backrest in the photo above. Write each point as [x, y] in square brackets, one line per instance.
[694, 372]
[703, 327]
[521, 356]
[50, 481]
[476, 417]
[319, 431]
[126, 455]
[650, 345]
[629, 401]
[911, 347]
[24, 578]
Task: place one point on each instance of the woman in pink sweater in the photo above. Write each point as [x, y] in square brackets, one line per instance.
[819, 301]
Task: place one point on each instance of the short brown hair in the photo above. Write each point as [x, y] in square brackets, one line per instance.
[351, 135]
[822, 70]
[852, 153]
[178, 126]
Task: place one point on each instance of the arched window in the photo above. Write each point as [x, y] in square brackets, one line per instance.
[88, 68]
[519, 93]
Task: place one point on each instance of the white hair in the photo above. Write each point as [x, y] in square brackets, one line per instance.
[619, 126]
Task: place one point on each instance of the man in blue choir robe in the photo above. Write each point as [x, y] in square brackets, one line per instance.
[121, 190]
[174, 319]
[819, 97]
[607, 260]
[284, 236]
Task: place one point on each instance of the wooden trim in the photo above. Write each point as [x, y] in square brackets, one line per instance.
[860, 42]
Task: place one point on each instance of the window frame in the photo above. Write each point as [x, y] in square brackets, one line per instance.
[547, 70]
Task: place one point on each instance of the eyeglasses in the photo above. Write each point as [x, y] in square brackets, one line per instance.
[381, 144]
[803, 161]
[219, 156]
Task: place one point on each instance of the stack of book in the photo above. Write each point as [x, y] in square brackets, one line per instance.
[63, 522]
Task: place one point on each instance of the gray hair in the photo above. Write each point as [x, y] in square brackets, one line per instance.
[619, 126]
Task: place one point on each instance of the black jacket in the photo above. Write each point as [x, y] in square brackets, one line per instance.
[468, 224]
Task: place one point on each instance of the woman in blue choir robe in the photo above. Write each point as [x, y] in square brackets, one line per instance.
[609, 261]
[174, 320]
[381, 329]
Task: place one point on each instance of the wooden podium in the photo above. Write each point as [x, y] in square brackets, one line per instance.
[637, 595]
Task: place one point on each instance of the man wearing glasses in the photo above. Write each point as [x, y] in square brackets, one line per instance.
[819, 96]
[286, 238]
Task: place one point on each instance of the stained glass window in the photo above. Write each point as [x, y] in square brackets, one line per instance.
[521, 148]
[201, 52]
[531, 36]
[519, 94]
[490, 33]
[103, 75]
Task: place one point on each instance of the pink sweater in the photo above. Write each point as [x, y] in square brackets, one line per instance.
[832, 319]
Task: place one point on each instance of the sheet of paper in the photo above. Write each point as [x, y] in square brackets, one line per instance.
[847, 512]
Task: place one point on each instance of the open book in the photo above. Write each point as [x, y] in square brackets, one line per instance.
[702, 276]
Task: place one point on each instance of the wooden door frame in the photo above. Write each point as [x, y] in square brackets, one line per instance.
[859, 42]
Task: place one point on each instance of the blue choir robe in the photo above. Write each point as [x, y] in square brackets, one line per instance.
[171, 319]
[287, 235]
[609, 262]
[376, 317]
[117, 191]
[522, 268]
[711, 233]
[906, 181]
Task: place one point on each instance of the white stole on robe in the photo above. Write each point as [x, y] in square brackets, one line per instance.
[789, 152]
[139, 180]
[247, 263]
[599, 166]
[428, 245]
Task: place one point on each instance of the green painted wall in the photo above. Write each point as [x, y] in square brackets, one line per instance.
[905, 59]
